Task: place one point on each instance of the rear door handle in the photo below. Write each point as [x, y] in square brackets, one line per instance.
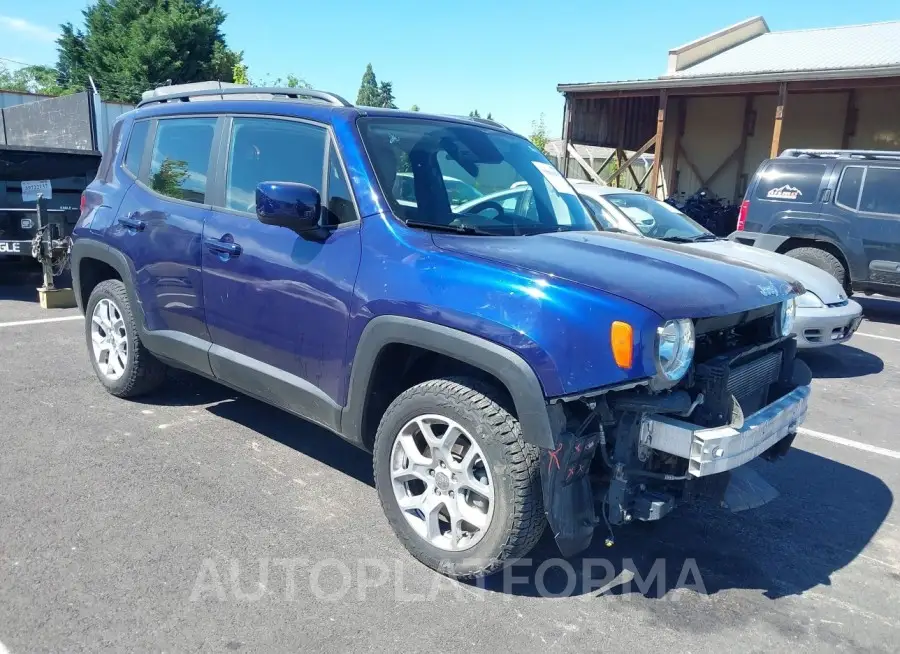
[131, 222]
[216, 246]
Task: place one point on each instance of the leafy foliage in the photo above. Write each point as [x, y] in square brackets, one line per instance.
[538, 134]
[373, 94]
[31, 79]
[129, 46]
[170, 177]
[415, 107]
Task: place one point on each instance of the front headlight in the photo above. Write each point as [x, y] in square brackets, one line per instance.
[675, 348]
[788, 313]
[809, 300]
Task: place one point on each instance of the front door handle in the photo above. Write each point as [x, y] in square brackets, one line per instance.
[216, 246]
[131, 222]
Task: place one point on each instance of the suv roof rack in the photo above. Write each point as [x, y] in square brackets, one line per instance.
[290, 93]
[840, 154]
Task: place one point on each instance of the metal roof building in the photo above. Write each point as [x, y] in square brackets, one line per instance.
[737, 96]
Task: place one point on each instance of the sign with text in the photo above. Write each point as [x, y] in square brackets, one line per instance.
[32, 188]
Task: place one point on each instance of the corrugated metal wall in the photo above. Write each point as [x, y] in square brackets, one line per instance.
[625, 123]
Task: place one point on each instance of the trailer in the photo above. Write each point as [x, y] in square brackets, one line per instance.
[50, 149]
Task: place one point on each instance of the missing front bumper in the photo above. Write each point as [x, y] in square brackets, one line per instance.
[713, 450]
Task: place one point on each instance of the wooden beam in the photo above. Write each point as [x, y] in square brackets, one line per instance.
[584, 164]
[567, 135]
[657, 151]
[779, 119]
[849, 120]
[606, 163]
[731, 157]
[694, 169]
[749, 115]
[681, 112]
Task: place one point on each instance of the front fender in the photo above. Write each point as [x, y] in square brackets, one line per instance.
[518, 377]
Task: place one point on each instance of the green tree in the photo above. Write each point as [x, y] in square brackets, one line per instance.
[474, 114]
[239, 74]
[369, 94]
[538, 134]
[386, 95]
[129, 46]
[415, 107]
[31, 79]
[170, 177]
[489, 116]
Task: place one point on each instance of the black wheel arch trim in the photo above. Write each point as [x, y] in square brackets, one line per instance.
[512, 370]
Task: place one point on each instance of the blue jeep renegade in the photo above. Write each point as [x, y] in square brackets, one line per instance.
[509, 368]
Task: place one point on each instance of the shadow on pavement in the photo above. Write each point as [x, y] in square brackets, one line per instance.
[826, 514]
[187, 389]
[841, 362]
[879, 309]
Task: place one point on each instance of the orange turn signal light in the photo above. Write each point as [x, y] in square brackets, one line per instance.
[621, 338]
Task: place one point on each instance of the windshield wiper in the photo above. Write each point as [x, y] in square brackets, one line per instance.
[690, 239]
[461, 228]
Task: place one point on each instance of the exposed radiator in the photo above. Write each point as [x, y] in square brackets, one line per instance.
[749, 383]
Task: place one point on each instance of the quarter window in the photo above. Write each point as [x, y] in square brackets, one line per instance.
[136, 144]
[178, 167]
[271, 150]
[881, 191]
[790, 182]
[339, 208]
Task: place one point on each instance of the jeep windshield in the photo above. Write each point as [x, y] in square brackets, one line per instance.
[422, 165]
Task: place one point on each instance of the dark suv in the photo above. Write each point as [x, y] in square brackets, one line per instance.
[507, 370]
[836, 209]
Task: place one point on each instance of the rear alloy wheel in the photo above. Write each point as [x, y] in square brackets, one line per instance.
[109, 339]
[457, 482]
[122, 363]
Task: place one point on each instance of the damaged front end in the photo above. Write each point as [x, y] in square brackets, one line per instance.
[634, 454]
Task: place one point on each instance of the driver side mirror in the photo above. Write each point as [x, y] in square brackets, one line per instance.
[288, 204]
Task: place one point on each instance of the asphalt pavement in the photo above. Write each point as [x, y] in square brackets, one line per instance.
[199, 519]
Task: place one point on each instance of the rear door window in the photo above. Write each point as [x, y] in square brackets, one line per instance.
[848, 188]
[790, 182]
[180, 161]
[881, 191]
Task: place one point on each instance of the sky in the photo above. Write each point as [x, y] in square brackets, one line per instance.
[452, 57]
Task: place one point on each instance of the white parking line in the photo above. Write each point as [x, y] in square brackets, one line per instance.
[883, 338]
[865, 447]
[20, 323]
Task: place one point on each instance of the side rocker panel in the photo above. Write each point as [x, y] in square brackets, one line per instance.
[523, 385]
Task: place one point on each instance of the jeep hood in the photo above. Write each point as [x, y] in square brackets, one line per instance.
[813, 279]
[672, 282]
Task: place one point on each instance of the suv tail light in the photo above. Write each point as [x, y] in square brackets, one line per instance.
[90, 200]
[742, 216]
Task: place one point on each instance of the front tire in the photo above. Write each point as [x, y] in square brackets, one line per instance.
[458, 484]
[121, 362]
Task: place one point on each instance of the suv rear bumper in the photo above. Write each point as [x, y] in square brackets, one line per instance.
[769, 242]
[713, 450]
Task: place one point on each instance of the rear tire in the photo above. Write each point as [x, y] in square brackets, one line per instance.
[514, 518]
[135, 371]
[822, 259]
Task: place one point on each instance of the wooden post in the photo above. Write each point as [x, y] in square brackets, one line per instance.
[658, 148]
[849, 120]
[742, 155]
[779, 119]
[672, 172]
[567, 136]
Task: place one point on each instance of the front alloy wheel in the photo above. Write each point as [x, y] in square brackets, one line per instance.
[442, 482]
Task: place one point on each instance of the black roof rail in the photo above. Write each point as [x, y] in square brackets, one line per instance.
[837, 154]
[291, 93]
